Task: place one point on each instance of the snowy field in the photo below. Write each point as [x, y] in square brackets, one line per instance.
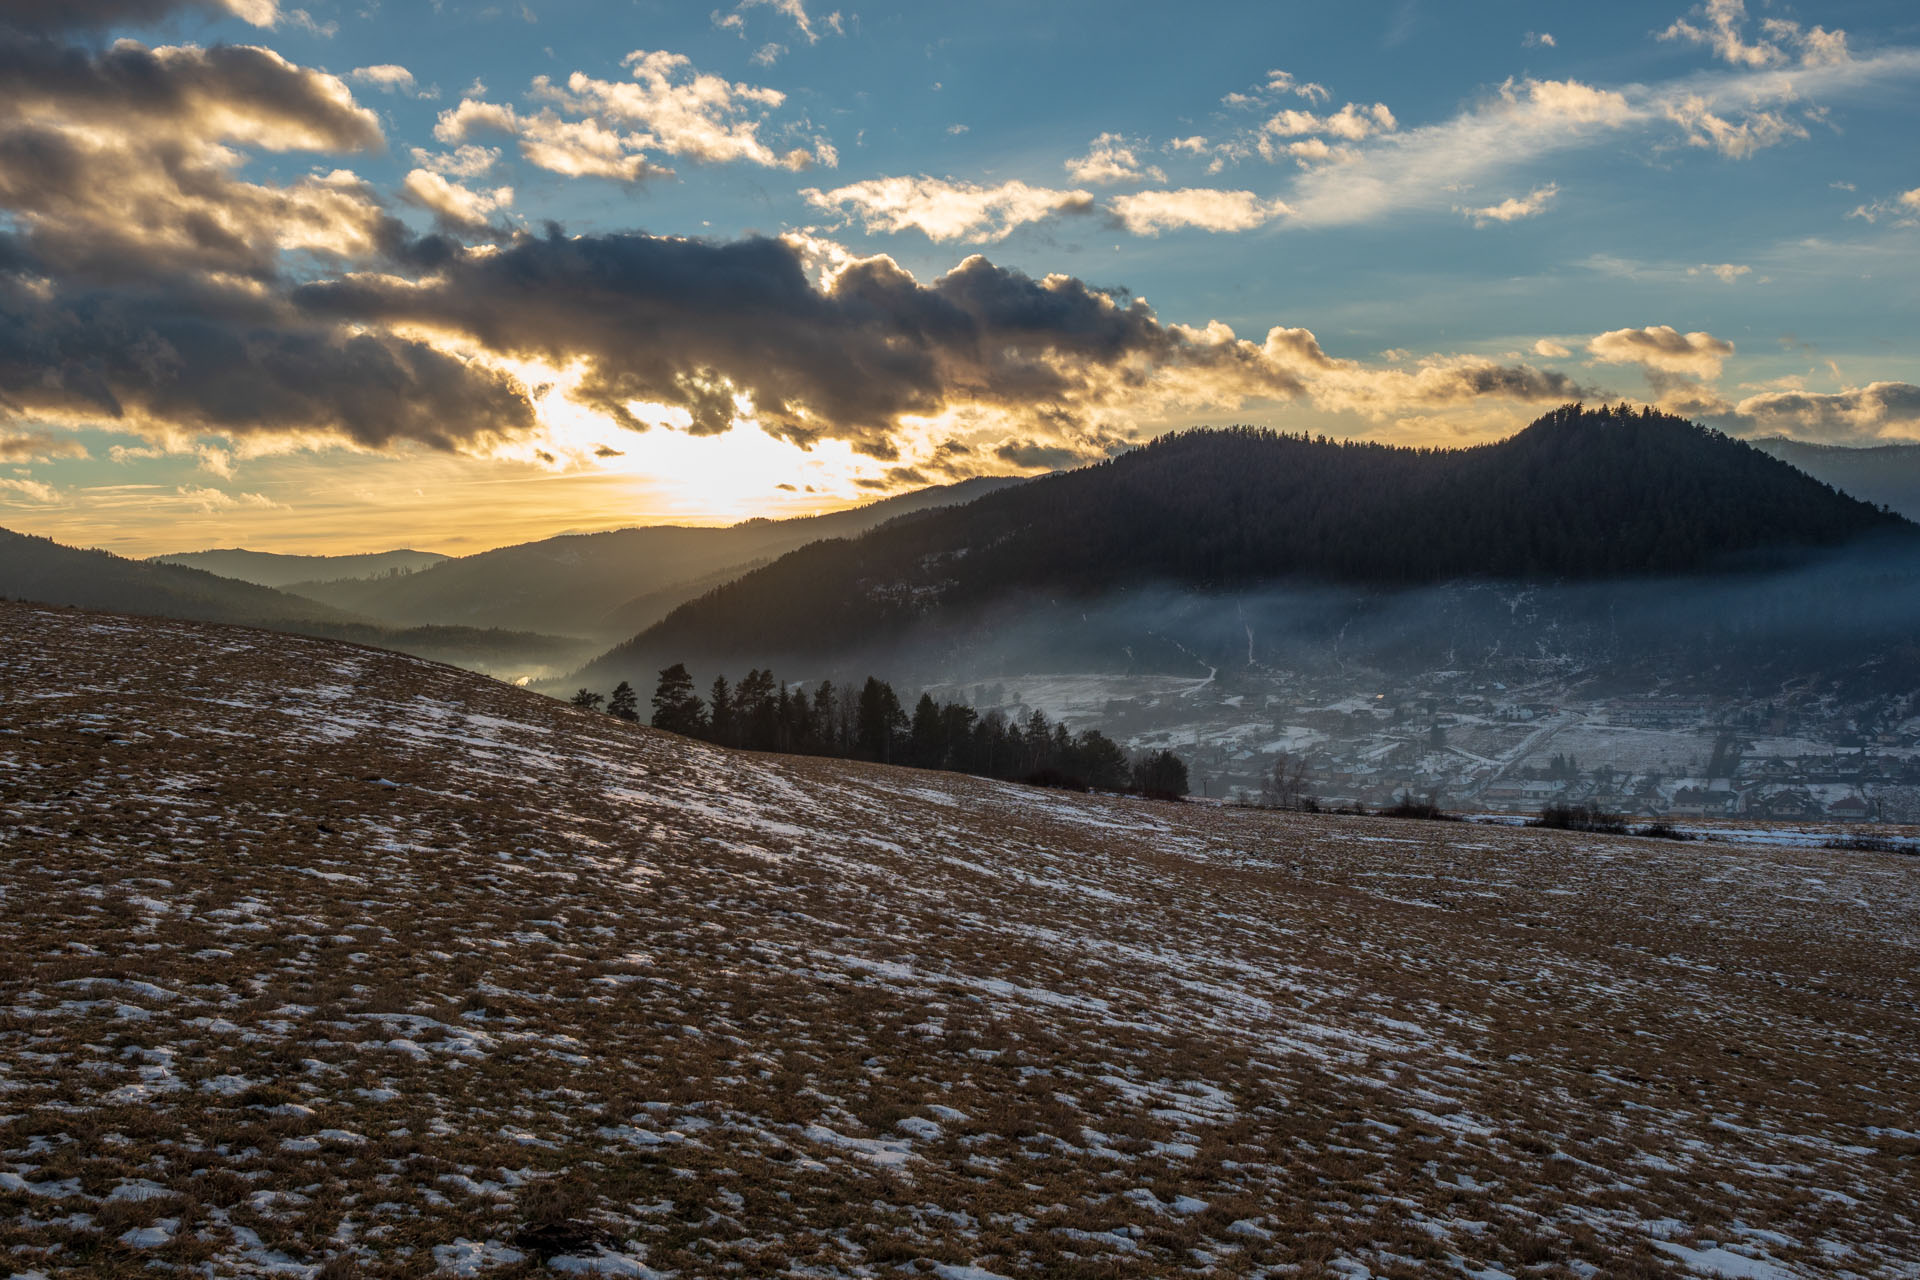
[318, 961]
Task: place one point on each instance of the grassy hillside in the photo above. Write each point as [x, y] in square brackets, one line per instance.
[320, 956]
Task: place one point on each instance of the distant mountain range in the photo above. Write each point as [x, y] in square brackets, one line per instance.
[606, 585]
[1886, 475]
[1581, 495]
[271, 569]
[39, 569]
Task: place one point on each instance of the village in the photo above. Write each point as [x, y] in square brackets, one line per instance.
[1472, 743]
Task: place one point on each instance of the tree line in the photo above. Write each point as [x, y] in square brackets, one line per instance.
[870, 722]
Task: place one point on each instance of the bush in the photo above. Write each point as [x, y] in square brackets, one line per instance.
[1869, 844]
[1662, 831]
[1580, 817]
[1427, 810]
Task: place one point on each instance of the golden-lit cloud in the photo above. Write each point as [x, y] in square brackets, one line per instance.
[944, 210]
[454, 205]
[1149, 213]
[591, 127]
[1698, 354]
[1879, 410]
[1113, 158]
[1514, 208]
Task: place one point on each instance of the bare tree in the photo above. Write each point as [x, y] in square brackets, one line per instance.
[1287, 787]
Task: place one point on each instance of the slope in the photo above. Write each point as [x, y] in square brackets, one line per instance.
[1887, 475]
[272, 569]
[1580, 494]
[322, 955]
[589, 584]
[34, 568]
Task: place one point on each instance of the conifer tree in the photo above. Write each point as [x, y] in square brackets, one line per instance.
[625, 703]
[676, 707]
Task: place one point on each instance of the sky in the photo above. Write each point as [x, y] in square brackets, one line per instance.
[379, 273]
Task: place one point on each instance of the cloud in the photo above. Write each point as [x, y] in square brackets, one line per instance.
[710, 329]
[29, 490]
[1755, 130]
[1879, 410]
[793, 10]
[210, 500]
[464, 162]
[387, 77]
[1725, 272]
[1112, 158]
[668, 108]
[1721, 26]
[456, 207]
[1352, 122]
[53, 17]
[1903, 208]
[39, 446]
[125, 161]
[1552, 350]
[1148, 213]
[1514, 208]
[1663, 348]
[1538, 40]
[945, 210]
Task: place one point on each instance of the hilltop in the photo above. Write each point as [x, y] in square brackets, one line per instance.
[1581, 495]
[40, 569]
[324, 955]
[275, 569]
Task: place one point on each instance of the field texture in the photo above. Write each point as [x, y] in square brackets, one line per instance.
[316, 960]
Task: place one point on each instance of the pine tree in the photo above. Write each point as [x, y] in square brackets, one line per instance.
[676, 707]
[625, 703]
[588, 700]
[722, 722]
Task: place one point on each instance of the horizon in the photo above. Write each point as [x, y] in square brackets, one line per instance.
[464, 278]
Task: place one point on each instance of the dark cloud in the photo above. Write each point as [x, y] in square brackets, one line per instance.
[56, 16]
[199, 358]
[690, 324]
[1028, 455]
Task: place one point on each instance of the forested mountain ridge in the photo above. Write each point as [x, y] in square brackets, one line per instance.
[606, 585]
[1581, 494]
[1884, 474]
[273, 569]
[42, 570]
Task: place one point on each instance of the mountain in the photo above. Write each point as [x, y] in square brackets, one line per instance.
[325, 960]
[1579, 495]
[270, 569]
[39, 569]
[607, 585]
[1886, 475]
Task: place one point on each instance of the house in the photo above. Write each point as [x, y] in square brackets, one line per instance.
[1701, 802]
[1851, 808]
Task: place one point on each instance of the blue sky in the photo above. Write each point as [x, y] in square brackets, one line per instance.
[1394, 220]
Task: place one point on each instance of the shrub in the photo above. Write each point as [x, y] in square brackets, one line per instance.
[1580, 817]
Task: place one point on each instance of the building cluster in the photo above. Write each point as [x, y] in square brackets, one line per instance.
[1473, 743]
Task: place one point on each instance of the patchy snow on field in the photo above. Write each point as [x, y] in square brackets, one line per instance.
[318, 957]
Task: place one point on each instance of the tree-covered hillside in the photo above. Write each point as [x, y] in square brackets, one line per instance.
[1581, 494]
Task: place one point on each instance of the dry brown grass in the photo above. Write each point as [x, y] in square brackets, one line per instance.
[575, 984]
